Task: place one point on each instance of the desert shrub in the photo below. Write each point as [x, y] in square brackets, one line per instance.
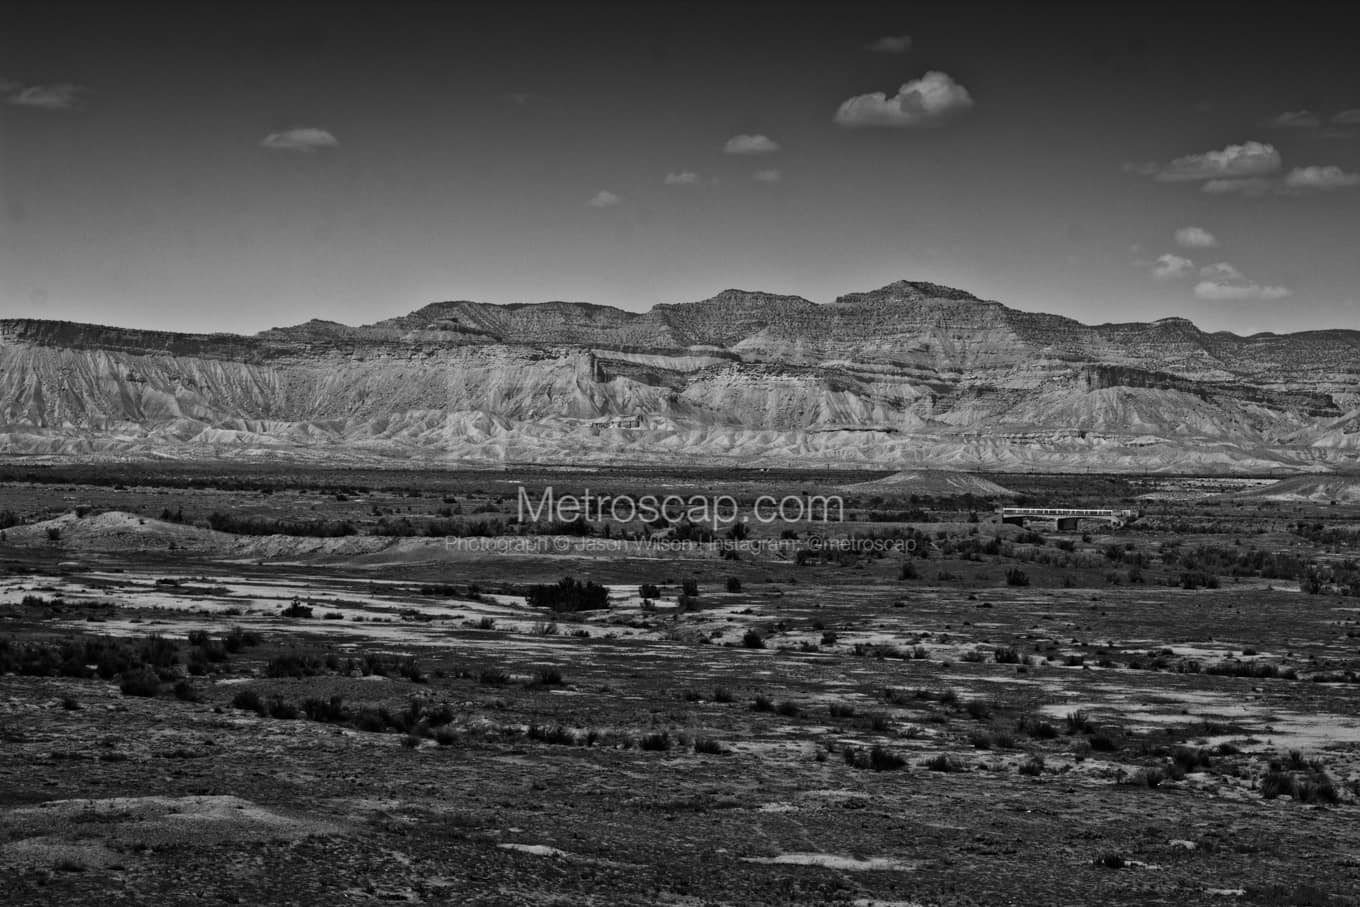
[548, 677]
[762, 703]
[294, 664]
[690, 587]
[493, 677]
[159, 652]
[1191, 759]
[1078, 722]
[842, 710]
[185, 691]
[708, 746]
[978, 709]
[649, 590]
[1147, 777]
[945, 762]
[297, 609]
[556, 735]
[330, 711]
[1006, 656]
[1037, 728]
[789, 709]
[876, 758]
[140, 683]
[238, 639]
[752, 639]
[722, 694]
[1104, 742]
[1198, 580]
[1016, 577]
[658, 742]
[250, 701]
[1032, 767]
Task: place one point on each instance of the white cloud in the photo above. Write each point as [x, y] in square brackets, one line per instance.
[768, 176]
[1220, 271]
[1234, 162]
[1330, 178]
[605, 199]
[305, 139]
[682, 178]
[750, 144]
[1195, 238]
[1220, 291]
[926, 101]
[1251, 186]
[1170, 267]
[892, 44]
[1347, 118]
[1293, 119]
[1223, 282]
[59, 96]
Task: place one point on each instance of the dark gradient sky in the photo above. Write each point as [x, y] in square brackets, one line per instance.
[472, 138]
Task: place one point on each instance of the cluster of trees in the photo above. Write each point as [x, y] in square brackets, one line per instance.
[569, 594]
[405, 527]
[247, 525]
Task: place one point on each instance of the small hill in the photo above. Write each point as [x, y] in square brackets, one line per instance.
[1317, 489]
[935, 482]
[112, 530]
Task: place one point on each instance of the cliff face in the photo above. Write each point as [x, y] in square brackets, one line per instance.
[912, 373]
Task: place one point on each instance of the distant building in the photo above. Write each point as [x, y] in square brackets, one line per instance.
[1064, 518]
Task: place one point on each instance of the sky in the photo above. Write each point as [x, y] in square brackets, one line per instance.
[234, 166]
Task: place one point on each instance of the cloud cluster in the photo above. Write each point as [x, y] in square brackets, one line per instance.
[57, 96]
[1293, 119]
[1195, 238]
[1320, 179]
[1249, 159]
[303, 140]
[767, 176]
[927, 101]
[1306, 119]
[1250, 187]
[1217, 282]
[605, 199]
[1249, 170]
[1170, 267]
[750, 144]
[681, 178]
[891, 44]
[1238, 290]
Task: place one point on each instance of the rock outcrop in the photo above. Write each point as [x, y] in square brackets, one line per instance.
[909, 375]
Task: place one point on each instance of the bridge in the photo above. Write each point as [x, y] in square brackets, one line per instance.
[1064, 517]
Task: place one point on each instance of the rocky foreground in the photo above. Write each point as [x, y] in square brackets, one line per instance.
[913, 374]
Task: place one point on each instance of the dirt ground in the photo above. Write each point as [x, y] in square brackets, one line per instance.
[364, 719]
